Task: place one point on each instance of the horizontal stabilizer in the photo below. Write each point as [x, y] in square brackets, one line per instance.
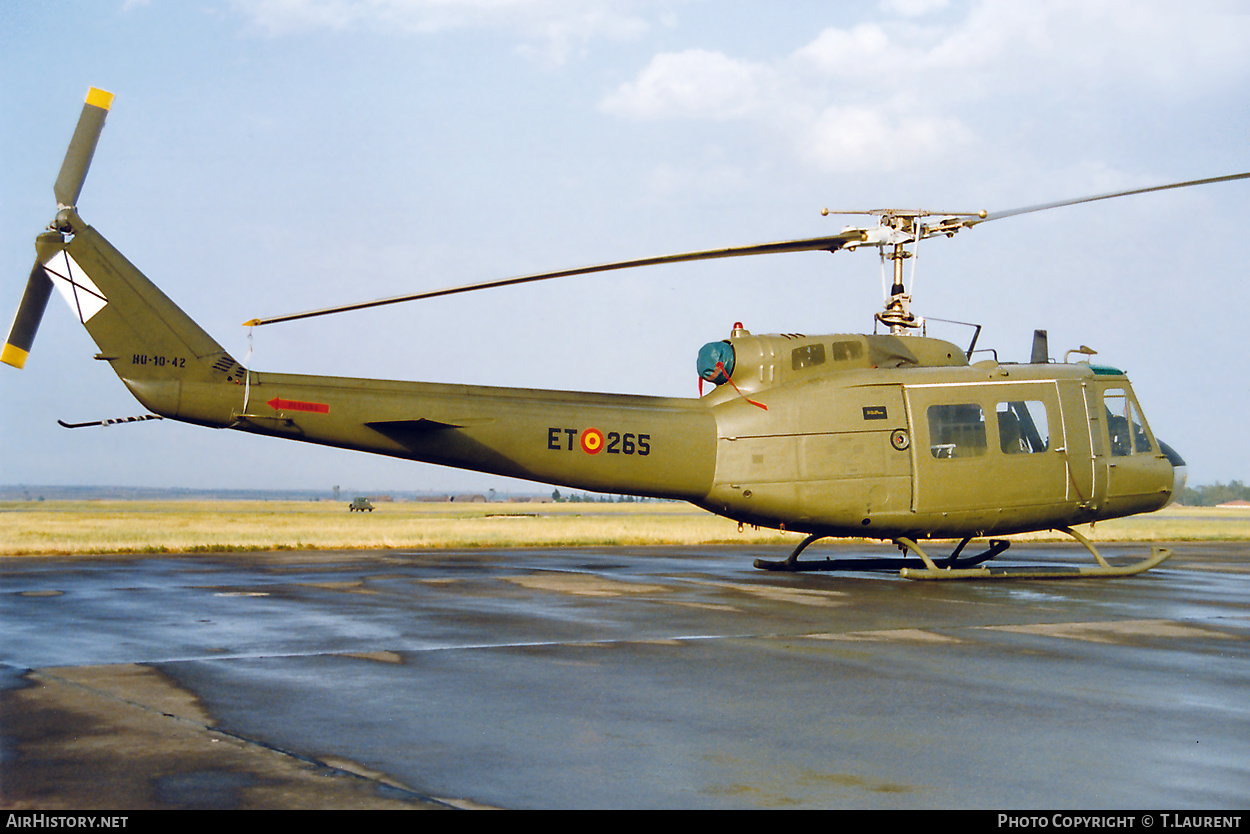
[402, 431]
[406, 432]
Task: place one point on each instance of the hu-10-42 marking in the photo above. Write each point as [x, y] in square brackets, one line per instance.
[158, 361]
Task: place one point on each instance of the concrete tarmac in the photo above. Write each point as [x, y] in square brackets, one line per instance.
[666, 677]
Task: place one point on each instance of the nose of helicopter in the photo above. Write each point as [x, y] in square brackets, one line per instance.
[1180, 472]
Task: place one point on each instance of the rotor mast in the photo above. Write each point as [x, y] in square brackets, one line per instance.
[897, 229]
[897, 314]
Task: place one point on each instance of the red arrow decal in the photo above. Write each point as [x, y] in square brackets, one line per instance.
[279, 404]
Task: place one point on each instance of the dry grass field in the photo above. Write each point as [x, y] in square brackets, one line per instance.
[30, 528]
[82, 527]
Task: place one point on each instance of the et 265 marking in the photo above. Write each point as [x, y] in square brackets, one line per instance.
[592, 441]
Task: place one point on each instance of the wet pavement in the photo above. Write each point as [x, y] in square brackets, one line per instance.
[619, 678]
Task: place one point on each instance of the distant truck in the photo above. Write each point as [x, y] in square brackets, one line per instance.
[360, 503]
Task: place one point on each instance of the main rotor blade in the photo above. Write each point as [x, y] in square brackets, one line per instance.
[82, 147]
[996, 215]
[831, 243]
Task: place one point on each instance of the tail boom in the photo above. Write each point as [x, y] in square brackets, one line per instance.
[655, 446]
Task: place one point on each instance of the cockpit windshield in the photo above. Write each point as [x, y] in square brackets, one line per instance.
[1125, 426]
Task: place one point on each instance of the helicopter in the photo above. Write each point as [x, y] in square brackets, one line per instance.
[893, 435]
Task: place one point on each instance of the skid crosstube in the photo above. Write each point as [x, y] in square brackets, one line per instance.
[792, 563]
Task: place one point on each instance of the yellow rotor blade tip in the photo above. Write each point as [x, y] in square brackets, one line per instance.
[13, 355]
[100, 98]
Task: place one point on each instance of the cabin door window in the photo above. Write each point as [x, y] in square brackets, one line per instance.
[986, 447]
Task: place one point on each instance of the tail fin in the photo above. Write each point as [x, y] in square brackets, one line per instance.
[156, 349]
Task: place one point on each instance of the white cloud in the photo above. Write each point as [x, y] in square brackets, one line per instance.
[284, 16]
[913, 8]
[842, 138]
[901, 86]
[552, 29]
[692, 84]
[698, 84]
[562, 34]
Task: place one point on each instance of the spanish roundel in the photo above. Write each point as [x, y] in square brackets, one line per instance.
[592, 441]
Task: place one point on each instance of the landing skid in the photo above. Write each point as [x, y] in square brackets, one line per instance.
[952, 567]
[1104, 570]
[792, 563]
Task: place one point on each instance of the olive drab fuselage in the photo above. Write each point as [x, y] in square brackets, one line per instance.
[895, 437]
[928, 446]
[873, 436]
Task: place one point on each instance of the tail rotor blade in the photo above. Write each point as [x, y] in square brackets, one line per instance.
[67, 188]
[34, 302]
[29, 314]
[82, 147]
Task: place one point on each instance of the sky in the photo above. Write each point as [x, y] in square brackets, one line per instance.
[270, 156]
